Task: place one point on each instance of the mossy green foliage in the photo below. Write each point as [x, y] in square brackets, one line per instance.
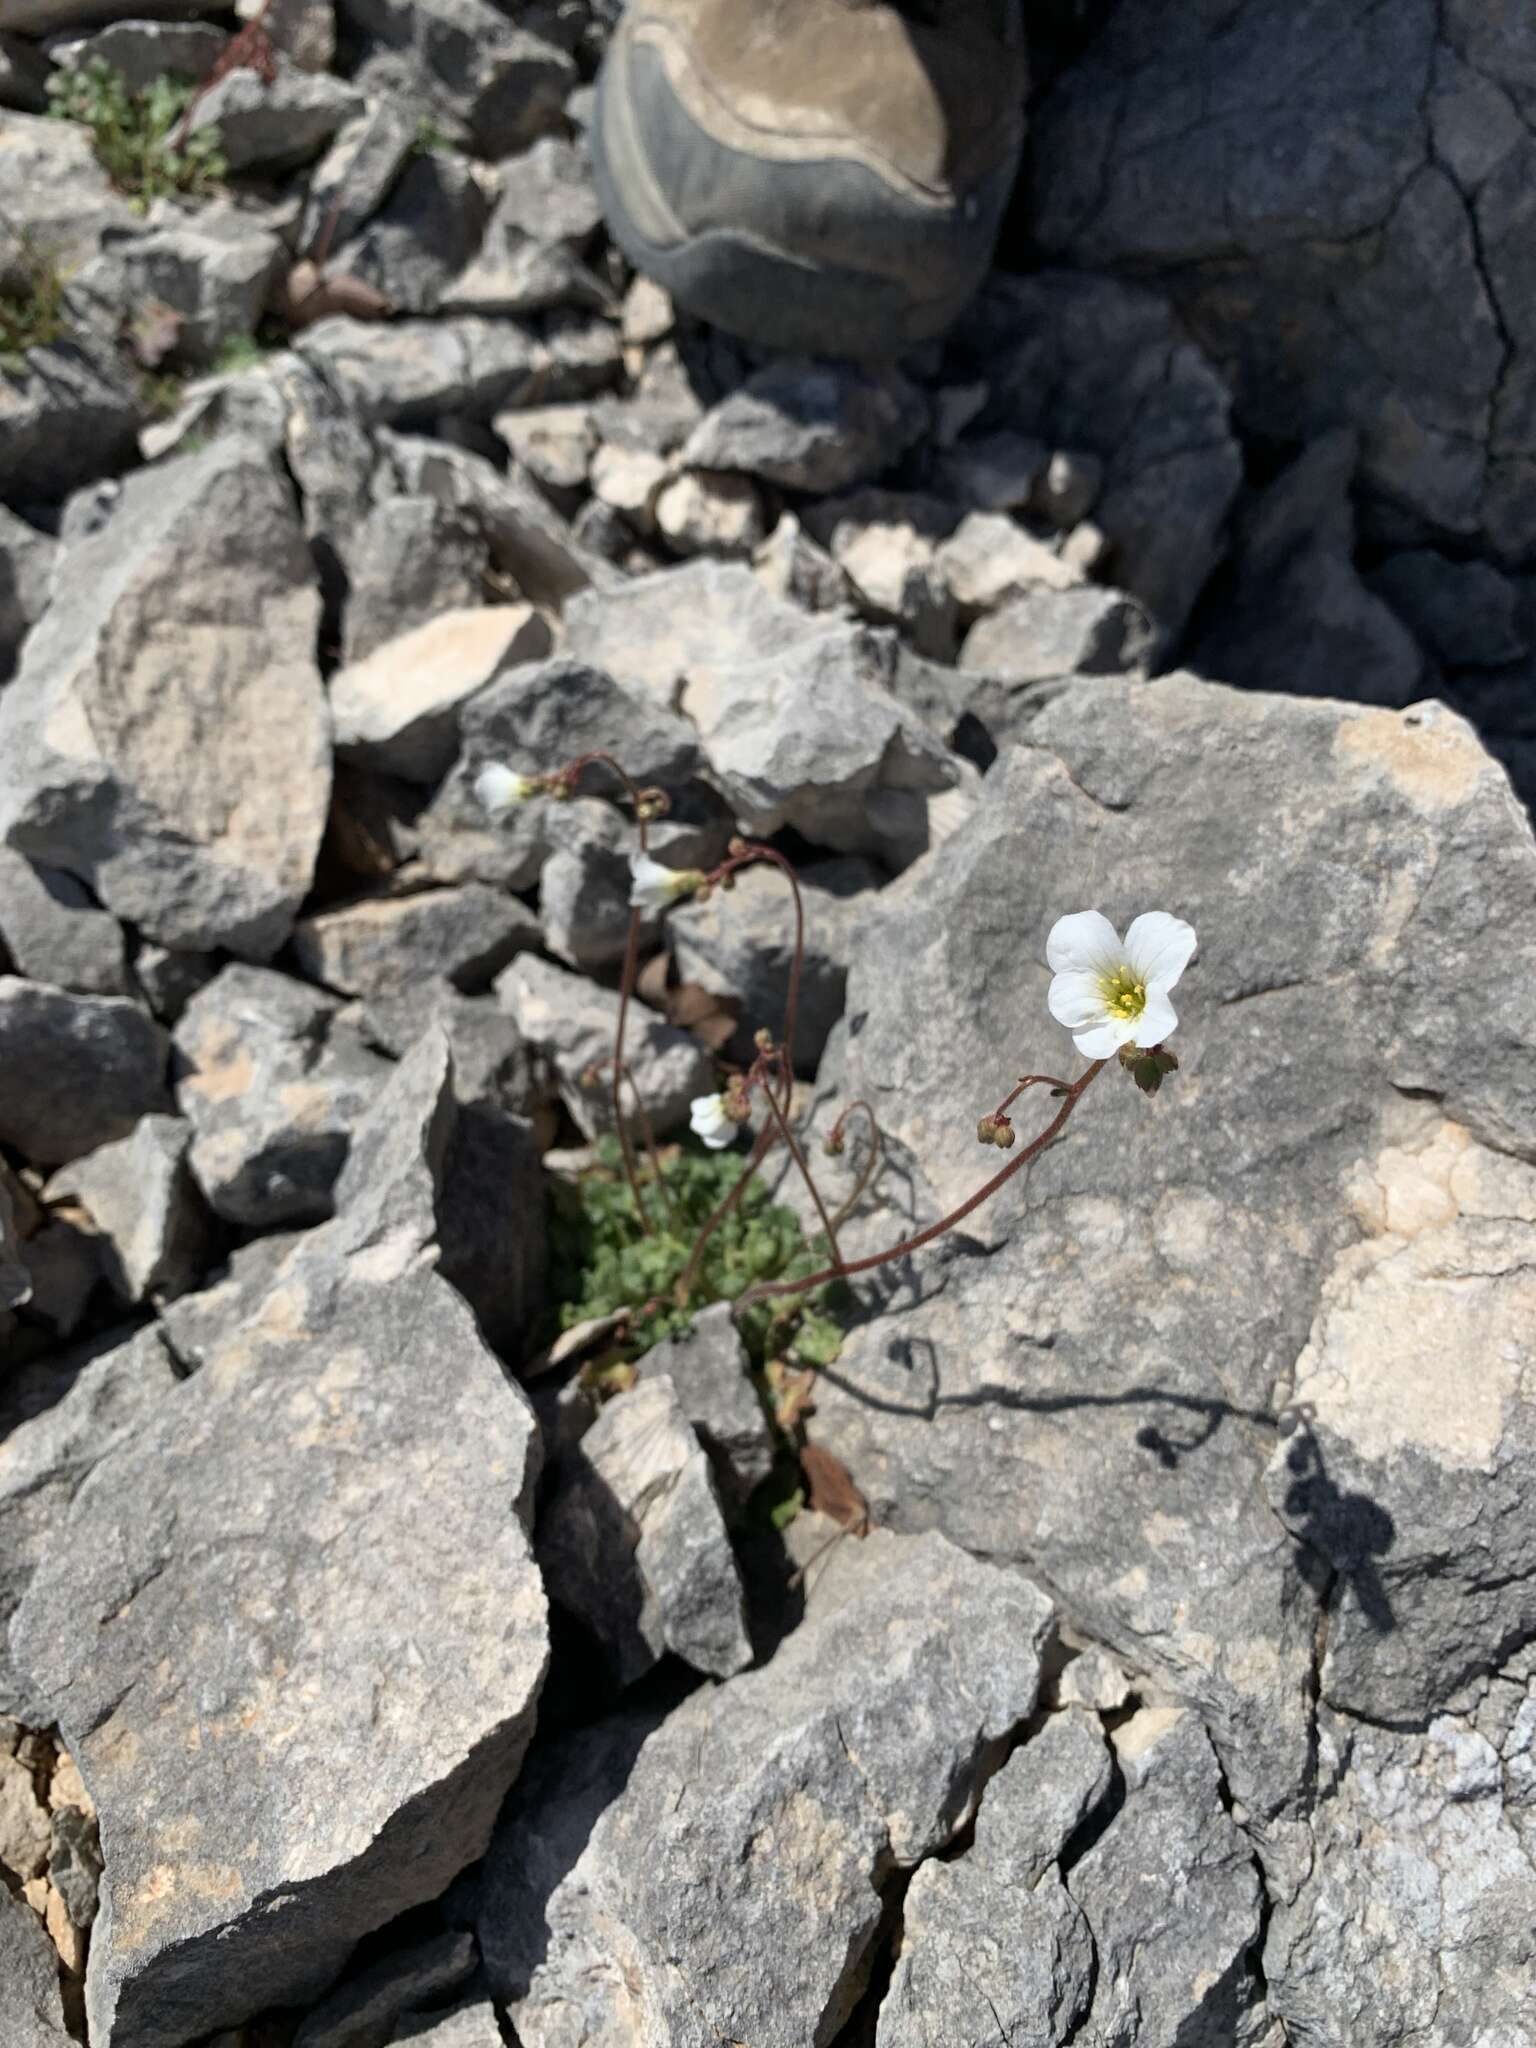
[602, 1259]
[32, 310]
[134, 131]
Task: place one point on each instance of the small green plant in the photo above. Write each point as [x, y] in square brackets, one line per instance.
[134, 132]
[429, 137]
[603, 1259]
[32, 310]
[240, 352]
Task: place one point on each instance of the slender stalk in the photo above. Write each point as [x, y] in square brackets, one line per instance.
[647, 1131]
[766, 1290]
[872, 1159]
[805, 1172]
[718, 1214]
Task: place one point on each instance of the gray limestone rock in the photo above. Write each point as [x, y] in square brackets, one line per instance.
[349, 1475]
[585, 883]
[530, 256]
[23, 75]
[989, 560]
[710, 1375]
[780, 1805]
[15, 1286]
[386, 943]
[31, 2011]
[271, 1094]
[1413, 1921]
[165, 737]
[741, 942]
[999, 471]
[811, 426]
[362, 2011]
[75, 1071]
[501, 82]
[792, 566]
[554, 444]
[1173, 1897]
[1090, 363]
[139, 1195]
[57, 1421]
[26, 572]
[1049, 633]
[194, 1324]
[53, 190]
[355, 176]
[1101, 1393]
[277, 126]
[1321, 277]
[982, 1962]
[473, 2025]
[69, 412]
[421, 236]
[573, 1022]
[398, 708]
[491, 1063]
[214, 270]
[632, 1541]
[168, 980]
[413, 561]
[1298, 616]
[54, 932]
[142, 51]
[1412, 1445]
[1039, 1799]
[411, 372]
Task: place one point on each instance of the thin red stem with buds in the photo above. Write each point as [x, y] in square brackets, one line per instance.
[872, 1160]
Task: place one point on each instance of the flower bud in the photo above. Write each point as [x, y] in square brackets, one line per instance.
[1002, 1132]
[986, 1131]
[834, 1143]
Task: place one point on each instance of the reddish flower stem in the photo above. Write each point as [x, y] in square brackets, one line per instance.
[805, 1172]
[766, 1290]
[872, 1159]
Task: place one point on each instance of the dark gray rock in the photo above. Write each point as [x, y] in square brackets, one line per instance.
[169, 980]
[362, 2012]
[165, 737]
[1000, 471]
[1051, 633]
[781, 1803]
[397, 708]
[412, 372]
[139, 1195]
[491, 1063]
[710, 1375]
[75, 1071]
[143, 51]
[385, 943]
[69, 412]
[214, 270]
[193, 1325]
[631, 1540]
[422, 236]
[1298, 616]
[271, 1095]
[1321, 277]
[23, 75]
[31, 2010]
[544, 221]
[59, 1420]
[54, 932]
[1354, 876]
[356, 175]
[274, 127]
[504, 84]
[792, 566]
[584, 885]
[1173, 1896]
[15, 1285]
[1093, 364]
[811, 426]
[741, 942]
[413, 560]
[1465, 614]
[572, 1022]
[356, 1420]
[1041, 1796]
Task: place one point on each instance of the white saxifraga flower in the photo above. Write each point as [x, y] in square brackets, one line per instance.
[499, 788]
[653, 887]
[709, 1120]
[1110, 991]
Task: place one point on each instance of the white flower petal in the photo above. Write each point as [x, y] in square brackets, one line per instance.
[1104, 1040]
[1159, 947]
[1076, 1000]
[1084, 942]
[708, 1120]
[1157, 1021]
[498, 787]
[652, 885]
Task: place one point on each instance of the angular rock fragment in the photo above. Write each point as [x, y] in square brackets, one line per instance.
[708, 1368]
[425, 231]
[989, 560]
[584, 885]
[57, 1421]
[31, 2010]
[491, 1063]
[632, 1541]
[354, 177]
[365, 2008]
[140, 1197]
[781, 1803]
[742, 943]
[810, 426]
[54, 191]
[75, 1071]
[1340, 969]
[1172, 1894]
[54, 932]
[214, 271]
[414, 560]
[530, 256]
[704, 513]
[474, 2025]
[138, 751]
[1466, 614]
[271, 1101]
[385, 943]
[142, 51]
[274, 126]
[26, 572]
[398, 710]
[1041, 1796]
[502, 82]
[70, 411]
[1061, 632]
[572, 1022]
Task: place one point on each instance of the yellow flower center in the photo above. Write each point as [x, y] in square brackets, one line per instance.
[1124, 996]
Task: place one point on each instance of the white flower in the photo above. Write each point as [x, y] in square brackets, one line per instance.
[653, 886]
[499, 788]
[1111, 992]
[709, 1120]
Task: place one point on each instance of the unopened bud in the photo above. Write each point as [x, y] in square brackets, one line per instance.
[736, 848]
[1002, 1132]
[986, 1131]
[763, 1039]
[833, 1143]
[653, 803]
